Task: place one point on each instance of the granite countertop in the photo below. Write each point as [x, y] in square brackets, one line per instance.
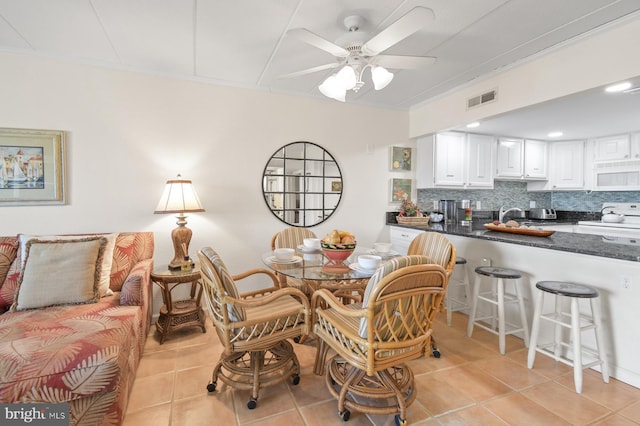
[594, 245]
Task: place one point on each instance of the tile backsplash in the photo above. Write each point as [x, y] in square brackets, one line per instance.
[514, 194]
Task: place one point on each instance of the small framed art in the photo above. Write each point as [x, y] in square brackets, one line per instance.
[32, 167]
[400, 190]
[401, 159]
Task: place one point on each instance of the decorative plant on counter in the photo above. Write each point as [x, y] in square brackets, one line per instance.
[410, 214]
[409, 209]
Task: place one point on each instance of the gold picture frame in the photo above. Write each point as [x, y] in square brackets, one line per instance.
[32, 167]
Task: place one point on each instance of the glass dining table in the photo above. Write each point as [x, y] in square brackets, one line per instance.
[346, 280]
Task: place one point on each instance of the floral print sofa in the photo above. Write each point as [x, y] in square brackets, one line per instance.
[85, 354]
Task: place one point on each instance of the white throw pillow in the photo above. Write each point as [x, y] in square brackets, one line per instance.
[107, 260]
[60, 272]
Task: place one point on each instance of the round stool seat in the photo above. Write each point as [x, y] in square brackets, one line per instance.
[460, 260]
[568, 289]
[492, 271]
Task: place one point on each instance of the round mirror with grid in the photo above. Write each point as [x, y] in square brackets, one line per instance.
[302, 184]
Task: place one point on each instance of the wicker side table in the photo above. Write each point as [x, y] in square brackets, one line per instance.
[178, 314]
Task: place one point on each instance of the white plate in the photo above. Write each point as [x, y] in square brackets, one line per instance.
[294, 259]
[387, 254]
[356, 267]
[304, 249]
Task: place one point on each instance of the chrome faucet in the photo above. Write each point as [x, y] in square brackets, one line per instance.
[504, 211]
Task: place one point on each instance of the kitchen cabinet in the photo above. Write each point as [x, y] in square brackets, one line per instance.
[567, 161]
[510, 158]
[521, 159]
[613, 148]
[455, 160]
[535, 159]
[479, 161]
[401, 238]
[449, 161]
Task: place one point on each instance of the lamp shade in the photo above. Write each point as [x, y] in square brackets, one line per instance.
[331, 88]
[346, 78]
[179, 196]
[381, 77]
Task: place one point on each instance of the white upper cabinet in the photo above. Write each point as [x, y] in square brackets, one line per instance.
[455, 160]
[480, 155]
[613, 148]
[449, 159]
[566, 165]
[521, 159]
[535, 159]
[510, 158]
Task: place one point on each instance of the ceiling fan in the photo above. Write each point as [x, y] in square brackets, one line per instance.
[357, 50]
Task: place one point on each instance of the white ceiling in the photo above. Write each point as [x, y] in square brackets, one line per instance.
[243, 43]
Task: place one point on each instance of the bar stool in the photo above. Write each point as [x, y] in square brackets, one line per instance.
[497, 298]
[454, 304]
[573, 320]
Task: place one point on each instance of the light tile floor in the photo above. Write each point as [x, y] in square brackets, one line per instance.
[470, 384]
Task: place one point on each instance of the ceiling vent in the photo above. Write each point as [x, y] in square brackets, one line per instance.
[481, 99]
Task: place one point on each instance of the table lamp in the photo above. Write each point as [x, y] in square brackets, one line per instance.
[179, 197]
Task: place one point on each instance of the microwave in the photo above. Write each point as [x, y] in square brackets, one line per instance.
[617, 175]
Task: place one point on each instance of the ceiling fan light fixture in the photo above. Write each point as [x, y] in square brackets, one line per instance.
[332, 88]
[346, 77]
[381, 77]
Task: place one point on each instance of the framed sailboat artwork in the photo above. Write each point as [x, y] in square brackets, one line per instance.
[32, 167]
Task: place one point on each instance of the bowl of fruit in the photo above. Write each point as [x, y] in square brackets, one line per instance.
[337, 245]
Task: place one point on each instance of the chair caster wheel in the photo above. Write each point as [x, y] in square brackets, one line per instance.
[211, 387]
[253, 403]
[399, 421]
[436, 353]
[344, 415]
[295, 379]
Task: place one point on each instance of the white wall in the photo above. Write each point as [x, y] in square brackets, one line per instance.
[127, 133]
[601, 59]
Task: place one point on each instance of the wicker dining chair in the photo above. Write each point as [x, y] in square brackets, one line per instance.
[374, 340]
[441, 251]
[253, 327]
[292, 238]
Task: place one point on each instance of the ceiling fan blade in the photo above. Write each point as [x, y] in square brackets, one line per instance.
[311, 70]
[403, 62]
[408, 24]
[319, 42]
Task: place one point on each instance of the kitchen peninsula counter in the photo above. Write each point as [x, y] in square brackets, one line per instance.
[612, 268]
[594, 245]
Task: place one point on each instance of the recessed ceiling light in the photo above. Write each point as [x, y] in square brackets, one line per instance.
[618, 87]
[474, 124]
[555, 134]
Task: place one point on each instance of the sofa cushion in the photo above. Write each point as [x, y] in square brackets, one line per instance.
[60, 272]
[8, 250]
[83, 354]
[107, 259]
[130, 248]
[10, 285]
[131, 293]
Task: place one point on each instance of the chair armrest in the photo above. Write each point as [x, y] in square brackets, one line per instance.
[262, 291]
[266, 298]
[324, 299]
